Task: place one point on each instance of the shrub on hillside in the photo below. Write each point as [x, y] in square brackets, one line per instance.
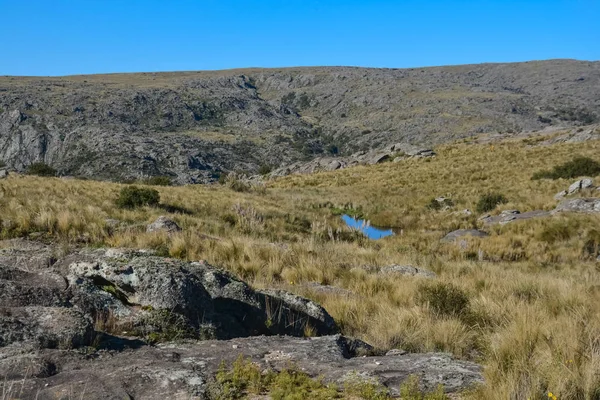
[41, 169]
[132, 196]
[580, 166]
[444, 299]
[265, 169]
[489, 201]
[158, 181]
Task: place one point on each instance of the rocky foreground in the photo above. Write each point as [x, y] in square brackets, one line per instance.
[124, 324]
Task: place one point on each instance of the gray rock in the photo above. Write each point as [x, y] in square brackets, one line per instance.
[579, 185]
[46, 327]
[328, 289]
[454, 235]
[560, 195]
[183, 370]
[407, 270]
[583, 205]
[53, 306]
[3, 174]
[335, 164]
[513, 215]
[163, 224]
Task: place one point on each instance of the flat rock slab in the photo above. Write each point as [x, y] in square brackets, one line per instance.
[454, 235]
[182, 371]
[407, 270]
[583, 205]
[511, 217]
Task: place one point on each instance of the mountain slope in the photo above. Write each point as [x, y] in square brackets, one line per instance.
[194, 125]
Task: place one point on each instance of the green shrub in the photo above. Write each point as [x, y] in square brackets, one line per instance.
[489, 201]
[410, 390]
[41, 169]
[132, 196]
[246, 380]
[444, 299]
[265, 169]
[158, 181]
[580, 166]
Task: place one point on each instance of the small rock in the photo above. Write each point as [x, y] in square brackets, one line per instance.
[579, 185]
[585, 205]
[407, 270]
[560, 195]
[334, 165]
[396, 352]
[3, 173]
[163, 224]
[452, 236]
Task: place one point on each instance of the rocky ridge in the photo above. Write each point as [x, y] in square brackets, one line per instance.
[194, 126]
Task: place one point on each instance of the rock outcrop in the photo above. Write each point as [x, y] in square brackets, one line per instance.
[163, 224]
[582, 205]
[184, 370]
[81, 325]
[459, 233]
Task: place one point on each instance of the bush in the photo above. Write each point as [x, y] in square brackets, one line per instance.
[41, 169]
[2, 164]
[580, 166]
[158, 181]
[444, 299]
[265, 169]
[489, 201]
[132, 196]
[436, 205]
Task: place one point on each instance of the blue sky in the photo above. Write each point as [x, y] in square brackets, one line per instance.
[59, 37]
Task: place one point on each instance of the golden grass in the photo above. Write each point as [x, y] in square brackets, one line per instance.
[533, 318]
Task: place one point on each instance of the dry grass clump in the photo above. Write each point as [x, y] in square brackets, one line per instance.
[524, 302]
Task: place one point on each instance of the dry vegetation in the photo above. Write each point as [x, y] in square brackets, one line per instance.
[524, 302]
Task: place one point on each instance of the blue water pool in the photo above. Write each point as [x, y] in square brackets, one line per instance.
[369, 231]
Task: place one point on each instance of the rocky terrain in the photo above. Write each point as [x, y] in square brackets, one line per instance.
[194, 126]
[115, 324]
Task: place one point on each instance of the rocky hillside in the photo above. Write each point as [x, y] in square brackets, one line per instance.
[193, 126]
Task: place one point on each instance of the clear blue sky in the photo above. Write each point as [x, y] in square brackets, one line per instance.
[59, 37]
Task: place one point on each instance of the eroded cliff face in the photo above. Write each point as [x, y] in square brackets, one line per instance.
[193, 126]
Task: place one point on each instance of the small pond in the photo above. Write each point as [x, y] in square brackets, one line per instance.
[369, 231]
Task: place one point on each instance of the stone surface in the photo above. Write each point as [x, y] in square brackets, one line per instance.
[183, 370]
[459, 233]
[580, 185]
[584, 205]
[407, 270]
[163, 224]
[513, 215]
[193, 126]
[53, 311]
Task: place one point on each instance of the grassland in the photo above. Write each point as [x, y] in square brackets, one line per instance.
[524, 301]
